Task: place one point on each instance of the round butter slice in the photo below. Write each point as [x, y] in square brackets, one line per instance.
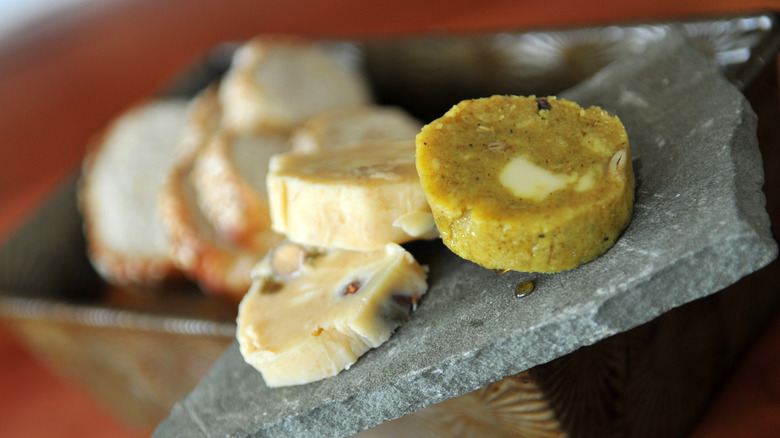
[525, 183]
[307, 323]
[359, 197]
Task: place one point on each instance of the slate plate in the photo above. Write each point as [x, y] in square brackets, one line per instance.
[699, 225]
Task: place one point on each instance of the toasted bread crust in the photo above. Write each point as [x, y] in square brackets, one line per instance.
[232, 193]
[218, 267]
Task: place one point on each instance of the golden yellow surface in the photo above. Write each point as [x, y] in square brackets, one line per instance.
[570, 204]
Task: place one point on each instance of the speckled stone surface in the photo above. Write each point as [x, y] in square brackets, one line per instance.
[699, 225]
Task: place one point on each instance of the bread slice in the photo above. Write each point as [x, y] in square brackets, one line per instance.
[346, 126]
[277, 83]
[217, 266]
[204, 118]
[229, 177]
[118, 194]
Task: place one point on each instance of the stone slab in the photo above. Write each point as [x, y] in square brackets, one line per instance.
[700, 224]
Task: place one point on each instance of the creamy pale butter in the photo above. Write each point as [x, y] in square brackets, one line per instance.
[347, 198]
[320, 319]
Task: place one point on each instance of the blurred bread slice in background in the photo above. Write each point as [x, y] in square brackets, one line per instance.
[220, 268]
[277, 83]
[179, 189]
[197, 248]
[118, 189]
[229, 178]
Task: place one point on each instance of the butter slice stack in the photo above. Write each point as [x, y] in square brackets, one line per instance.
[310, 314]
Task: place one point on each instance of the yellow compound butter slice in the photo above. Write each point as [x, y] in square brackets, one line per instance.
[525, 183]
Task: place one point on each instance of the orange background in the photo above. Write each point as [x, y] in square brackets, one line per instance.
[64, 78]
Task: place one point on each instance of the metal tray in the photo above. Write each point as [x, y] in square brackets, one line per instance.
[159, 344]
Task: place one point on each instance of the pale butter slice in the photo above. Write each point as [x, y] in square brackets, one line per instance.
[347, 198]
[334, 308]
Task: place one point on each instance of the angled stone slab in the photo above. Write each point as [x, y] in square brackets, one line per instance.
[699, 225]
